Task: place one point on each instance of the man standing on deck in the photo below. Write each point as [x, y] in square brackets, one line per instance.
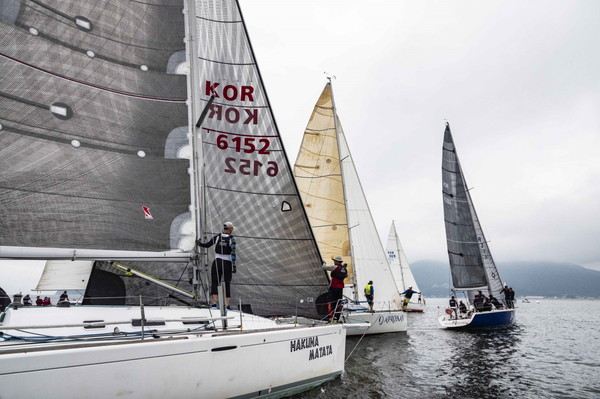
[370, 294]
[224, 264]
[407, 295]
[336, 287]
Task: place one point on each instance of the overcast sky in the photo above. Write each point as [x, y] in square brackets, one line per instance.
[518, 81]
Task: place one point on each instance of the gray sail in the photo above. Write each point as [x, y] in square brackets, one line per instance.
[471, 262]
[247, 177]
[93, 118]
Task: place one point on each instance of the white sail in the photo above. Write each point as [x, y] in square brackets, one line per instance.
[367, 252]
[65, 275]
[399, 263]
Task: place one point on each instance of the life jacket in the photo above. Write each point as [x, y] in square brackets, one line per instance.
[369, 289]
[224, 244]
[338, 275]
[340, 272]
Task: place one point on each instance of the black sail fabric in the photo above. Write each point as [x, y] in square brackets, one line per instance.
[92, 116]
[471, 262]
[463, 249]
[248, 178]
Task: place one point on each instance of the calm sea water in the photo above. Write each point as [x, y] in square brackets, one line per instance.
[552, 352]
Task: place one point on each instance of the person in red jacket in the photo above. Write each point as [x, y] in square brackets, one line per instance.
[336, 286]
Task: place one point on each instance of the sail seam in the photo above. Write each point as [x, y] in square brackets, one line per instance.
[106, 89]
[316, 177]
[236, 134]
[251, 192]
[227, 63]
[218, 21]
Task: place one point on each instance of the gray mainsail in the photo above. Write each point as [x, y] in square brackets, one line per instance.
[471, 262]
[247, 177]
[95, 149]
[92, 120]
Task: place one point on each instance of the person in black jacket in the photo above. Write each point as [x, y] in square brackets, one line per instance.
[224, 264]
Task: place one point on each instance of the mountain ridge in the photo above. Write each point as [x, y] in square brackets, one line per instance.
[548, 279]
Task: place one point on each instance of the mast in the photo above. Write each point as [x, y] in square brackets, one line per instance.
[337, 137]
[197, 177]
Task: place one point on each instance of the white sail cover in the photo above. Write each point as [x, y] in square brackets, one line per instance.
[471, 263]
[399, 263]
[331, 189]
[65, 275]
[247, 177]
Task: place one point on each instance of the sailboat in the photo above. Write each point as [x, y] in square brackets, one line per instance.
[471, 263]
[127, 131]
[342, 222]
[401, 270]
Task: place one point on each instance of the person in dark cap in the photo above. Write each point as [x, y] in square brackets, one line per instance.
[336, 286]
[370, 294]
[224, 263]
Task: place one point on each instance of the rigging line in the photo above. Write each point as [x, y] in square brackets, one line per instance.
[268, 238]
[449, 171]
[280, 285]
[238, 106]
[457, 224]
[227, 63]
[105, 89]
[466, 242]
[218, 21]
[119, 200]
[355, 346]
[251, 192]
[330, 225]
[208, 130]
[69, 140]
[316, 177]
[215, 144]
[320, 130]
[71, 135]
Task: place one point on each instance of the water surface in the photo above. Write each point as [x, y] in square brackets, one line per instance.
[552, 352]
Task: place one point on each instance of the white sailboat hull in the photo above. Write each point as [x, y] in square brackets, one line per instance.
[378, 322]
[272, 363]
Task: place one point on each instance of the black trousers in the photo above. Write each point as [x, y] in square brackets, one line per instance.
[220, 270]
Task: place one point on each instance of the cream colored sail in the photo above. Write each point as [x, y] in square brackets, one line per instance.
[319, 179]
[337, 207]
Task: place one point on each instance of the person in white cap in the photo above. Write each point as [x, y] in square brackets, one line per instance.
[224, 264]
[336, 286]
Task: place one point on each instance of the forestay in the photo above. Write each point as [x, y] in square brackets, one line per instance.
[471, 262]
